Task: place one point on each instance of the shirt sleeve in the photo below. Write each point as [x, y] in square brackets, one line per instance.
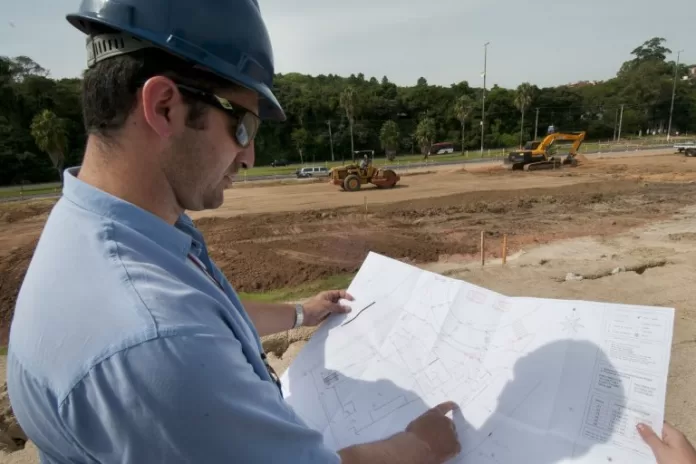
[187, 399]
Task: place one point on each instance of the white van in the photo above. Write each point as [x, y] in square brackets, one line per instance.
[312, 171]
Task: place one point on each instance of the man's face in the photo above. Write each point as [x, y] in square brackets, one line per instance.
[202, 162]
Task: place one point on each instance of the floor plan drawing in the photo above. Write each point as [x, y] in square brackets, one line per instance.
[572, 324]
[536, 380]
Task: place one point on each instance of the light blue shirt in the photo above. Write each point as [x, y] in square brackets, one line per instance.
[122, 351]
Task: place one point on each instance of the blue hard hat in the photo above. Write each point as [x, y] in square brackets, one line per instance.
[227, 37]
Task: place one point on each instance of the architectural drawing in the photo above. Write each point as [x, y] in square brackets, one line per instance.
[572, 324]
[537, 380]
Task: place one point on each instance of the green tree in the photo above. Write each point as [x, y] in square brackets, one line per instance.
[50, 135]
[389, 138]
[523, 98]
[652, 49]
[462, 109]
[643, 84]
[23, 67]
[425, 134]
[23, 158]
[348, 105]
[300, 137]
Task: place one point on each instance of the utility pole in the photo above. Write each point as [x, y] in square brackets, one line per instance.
[620, 123]
[483, 97]
[674, 92]
[331, 141]
[616, 121]
[536, 125]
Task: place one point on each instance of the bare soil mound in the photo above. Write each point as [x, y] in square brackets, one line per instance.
[12, 438]
[17, 211]
[13, 266]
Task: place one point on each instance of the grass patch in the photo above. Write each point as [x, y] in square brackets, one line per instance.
[309, 289]
[27, 192]
[400, 160]
[3, 351]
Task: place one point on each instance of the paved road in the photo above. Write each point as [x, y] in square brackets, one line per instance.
[620, 151]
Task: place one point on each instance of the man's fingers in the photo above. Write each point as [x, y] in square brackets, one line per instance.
[339, 309]
[335, 295]
[447, 406]
[650, 438]
[670, 435]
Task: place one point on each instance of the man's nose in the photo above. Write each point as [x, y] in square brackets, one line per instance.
[247, 156]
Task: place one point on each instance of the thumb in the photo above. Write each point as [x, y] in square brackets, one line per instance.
[651, 439]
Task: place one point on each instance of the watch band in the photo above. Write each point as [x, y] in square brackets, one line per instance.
[299, 316]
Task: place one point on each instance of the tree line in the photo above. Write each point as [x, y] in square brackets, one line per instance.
[330, 117]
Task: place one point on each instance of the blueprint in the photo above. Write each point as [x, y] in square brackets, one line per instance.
[537, 380]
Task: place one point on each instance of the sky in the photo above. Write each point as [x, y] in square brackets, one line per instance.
[544, 42]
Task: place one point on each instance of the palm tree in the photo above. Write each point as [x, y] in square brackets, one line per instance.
[51, 136]
[389, 136]
[348, 104]
[425, 134]
[462, 109]
[523, 99]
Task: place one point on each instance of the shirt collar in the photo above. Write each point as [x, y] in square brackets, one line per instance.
[104, 204]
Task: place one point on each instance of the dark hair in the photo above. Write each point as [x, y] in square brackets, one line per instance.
[109, 88]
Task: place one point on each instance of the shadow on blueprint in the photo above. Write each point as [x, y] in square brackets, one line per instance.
[560, 402]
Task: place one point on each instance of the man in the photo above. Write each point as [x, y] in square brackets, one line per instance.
[128, 344]
[365, 162]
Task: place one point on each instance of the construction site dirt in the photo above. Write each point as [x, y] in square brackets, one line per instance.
[268, 236]
[322, 231]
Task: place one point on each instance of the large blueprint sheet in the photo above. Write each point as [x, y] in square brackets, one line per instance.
[537, 380]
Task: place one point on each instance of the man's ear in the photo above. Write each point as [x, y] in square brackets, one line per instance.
[163, 107]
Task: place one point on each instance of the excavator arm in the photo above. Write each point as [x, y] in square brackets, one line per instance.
[576, 137]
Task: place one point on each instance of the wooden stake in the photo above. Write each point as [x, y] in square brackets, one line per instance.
[483, 246]
[504, 249]
[366, 204]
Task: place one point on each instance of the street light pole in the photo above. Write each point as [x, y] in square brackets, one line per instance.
[674, 91]
[330, 140]
[483, 97]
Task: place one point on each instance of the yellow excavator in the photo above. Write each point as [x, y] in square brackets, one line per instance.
[546, 154]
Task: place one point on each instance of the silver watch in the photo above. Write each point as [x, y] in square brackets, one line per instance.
[299, 316]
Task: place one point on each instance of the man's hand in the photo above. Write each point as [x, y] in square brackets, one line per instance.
[673, 448]
[429, 439]
[325, 303]
[437, 431]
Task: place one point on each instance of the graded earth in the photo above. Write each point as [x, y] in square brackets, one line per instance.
[624, 223]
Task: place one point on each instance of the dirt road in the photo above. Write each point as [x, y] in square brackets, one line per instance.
[435, 182]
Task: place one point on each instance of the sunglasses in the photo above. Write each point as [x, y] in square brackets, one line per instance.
[246, 122]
